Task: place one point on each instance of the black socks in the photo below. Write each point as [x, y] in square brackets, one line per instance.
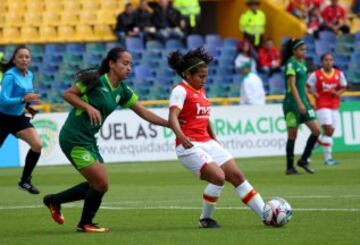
[30, 162]
[309, 147]
[290, 145]
[75, 193]
[92, 203]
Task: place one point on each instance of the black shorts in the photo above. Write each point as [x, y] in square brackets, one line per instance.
[10, 124]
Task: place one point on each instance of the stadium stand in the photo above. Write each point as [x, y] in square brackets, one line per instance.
[63, 42]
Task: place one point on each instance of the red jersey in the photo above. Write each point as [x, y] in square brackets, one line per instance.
[195, 111]
[332, 14]
[266, 57]
[325, 86]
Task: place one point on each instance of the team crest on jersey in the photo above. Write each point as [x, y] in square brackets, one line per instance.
[117, 99]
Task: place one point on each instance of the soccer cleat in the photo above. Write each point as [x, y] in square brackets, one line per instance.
[208, 223]
[291, 171]
[305, 166]
[331, 162]
[27, 186]
[92, 228]
[54, 209]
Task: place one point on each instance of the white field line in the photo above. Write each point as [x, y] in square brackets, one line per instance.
[105, 207]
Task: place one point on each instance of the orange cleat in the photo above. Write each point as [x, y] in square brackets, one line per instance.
[92, 228]
[54, 209]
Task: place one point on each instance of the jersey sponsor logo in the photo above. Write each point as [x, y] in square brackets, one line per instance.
[202, 110]
[328, 87]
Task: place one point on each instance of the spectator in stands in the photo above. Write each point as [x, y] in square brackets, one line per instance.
[252, 23]
[252, 90]
[269, 58]
[143, 17]
[313, 21]
[298, 8]
[301, 8]
[168, 21]
[125, 23]
[17, 93]
[334, 17]
[246, 54]
[190, 10]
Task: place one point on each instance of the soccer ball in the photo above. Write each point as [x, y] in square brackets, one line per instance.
[277, 212]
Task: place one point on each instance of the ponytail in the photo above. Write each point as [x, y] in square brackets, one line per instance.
[90, 77]
[190, 62]
[288, 48]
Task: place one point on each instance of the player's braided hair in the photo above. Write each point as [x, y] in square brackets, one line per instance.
[190, 62]
[288, 48]
[90, 77]
[10, 64]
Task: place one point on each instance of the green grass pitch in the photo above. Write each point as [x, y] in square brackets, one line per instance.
[159, 203]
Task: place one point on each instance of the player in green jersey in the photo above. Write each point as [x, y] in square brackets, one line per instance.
[95, 95]
[296, 105]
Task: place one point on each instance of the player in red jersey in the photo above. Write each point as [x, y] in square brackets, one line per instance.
[196, 144]
[327, 84]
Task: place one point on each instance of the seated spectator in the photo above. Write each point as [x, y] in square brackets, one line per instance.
[125, 23]
[246, 54]
[334, 17]
[252, 23]
[313, 21]
[298, 8]
[269, 59]
[143, 17]
[252, 90]
[168, 21]
[190, 10]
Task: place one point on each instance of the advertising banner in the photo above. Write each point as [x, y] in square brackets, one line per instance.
[245, 131]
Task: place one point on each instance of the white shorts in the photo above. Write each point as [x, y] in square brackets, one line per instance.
[201, 154]
[327, 116]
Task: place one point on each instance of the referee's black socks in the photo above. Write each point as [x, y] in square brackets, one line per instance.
[290, 145]
[309, 147]
[92, 203]
[30, 162]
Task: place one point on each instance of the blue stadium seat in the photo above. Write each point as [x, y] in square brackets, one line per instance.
[54, 48]
[144, 73]
[153, 44]
[75, 48]
[212, 50]
[194, 41]
[213, 40]
[277, 84]
[328, 36]
[322, 47]
[95, 48]
[134, 44]
[230, 42]
[173, 44]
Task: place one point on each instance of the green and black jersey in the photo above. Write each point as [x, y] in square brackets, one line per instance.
[292, 115]
[77, 136]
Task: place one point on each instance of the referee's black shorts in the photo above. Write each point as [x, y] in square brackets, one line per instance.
[10, 124]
